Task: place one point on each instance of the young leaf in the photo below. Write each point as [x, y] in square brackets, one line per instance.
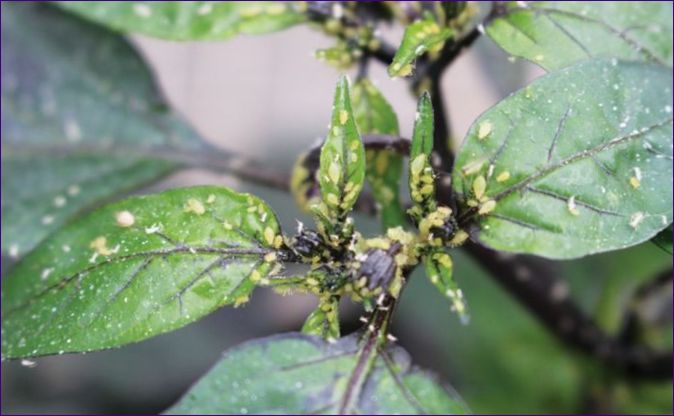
[438, 265]
[75, 131]
[422, 36]
[300, 374]
[383, 169]
[342, 169]
[135, 269]
[555, 34]
[579, 162]
[191, 20]
[422, 188]
[324, 320]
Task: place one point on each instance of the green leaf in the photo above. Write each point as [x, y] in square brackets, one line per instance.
[422, 188]
[555, 34]
[664, 240]
[422, 36]
[342, 170]
[135, 269]
[579, 162]
[300, 374]
[324, 320]
[193, 20]
[438, 266]
[82, 121]
[374, 115]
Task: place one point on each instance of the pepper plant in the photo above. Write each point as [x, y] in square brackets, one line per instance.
[578, 162]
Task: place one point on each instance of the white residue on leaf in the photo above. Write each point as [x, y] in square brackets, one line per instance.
[636, 219]
[13, 251]
[72, 130]
[59, 201]
[142, 10]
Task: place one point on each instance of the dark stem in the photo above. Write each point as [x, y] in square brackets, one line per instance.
[374, 336]
[534, 283]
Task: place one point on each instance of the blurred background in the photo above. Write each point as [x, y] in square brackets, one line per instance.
[268, 98]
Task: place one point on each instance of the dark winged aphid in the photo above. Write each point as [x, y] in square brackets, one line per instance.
[378, 266]
[447, 230]
[308, 243]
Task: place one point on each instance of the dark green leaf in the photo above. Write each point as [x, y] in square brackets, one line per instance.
[579, 162]
[342, 171]
[374, 115]
[664, 240]
[422, 36]
[191, 20]
[555, 34]
[81, 121]
[135, 269]
[300, 374]
[422, 188]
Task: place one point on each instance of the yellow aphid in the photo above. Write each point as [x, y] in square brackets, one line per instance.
[635, 182]
[353, 156]
[125, 219]
[332, 199]
[270, 257]
[210, 199]
[484, 130]
[334, 172]
[434, 278]
[539, 58]
[418, 164]
[343, 116]
[255, 276]
[227, 225]
[241, 300]
[479, 186]
[571, 206]
[503, 176]
[311, 281]
[459, 238]
[405, 70]
[487, 207]
[100, 246]
[278, 241]
[194, 205]
[269, 235]
[472, 167]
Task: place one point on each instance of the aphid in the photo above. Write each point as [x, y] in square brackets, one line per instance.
[269, 236]
[636, 219]
[503, 176]
[343, 117]
[487, 207]
[479, 186]
[571, 206]
[484, 130]
[124, 218]
[195, 206]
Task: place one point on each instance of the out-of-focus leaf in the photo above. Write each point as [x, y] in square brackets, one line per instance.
[135, 269]
[191, 20]
[374, 115]
[294, 373]
[555, 34]
[664, 240]
[421, 185]
[579, 162]
[342, 170]
[422, 36]
[82, 121]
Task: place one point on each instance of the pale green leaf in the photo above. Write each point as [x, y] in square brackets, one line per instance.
[342, 170]
[579, 162]
[439, 270]
[421, 185]
[190, 20]
[300, 374]
[555, 34]
[82, 121]
[422, 36]
[374, 115]
[135, 269]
